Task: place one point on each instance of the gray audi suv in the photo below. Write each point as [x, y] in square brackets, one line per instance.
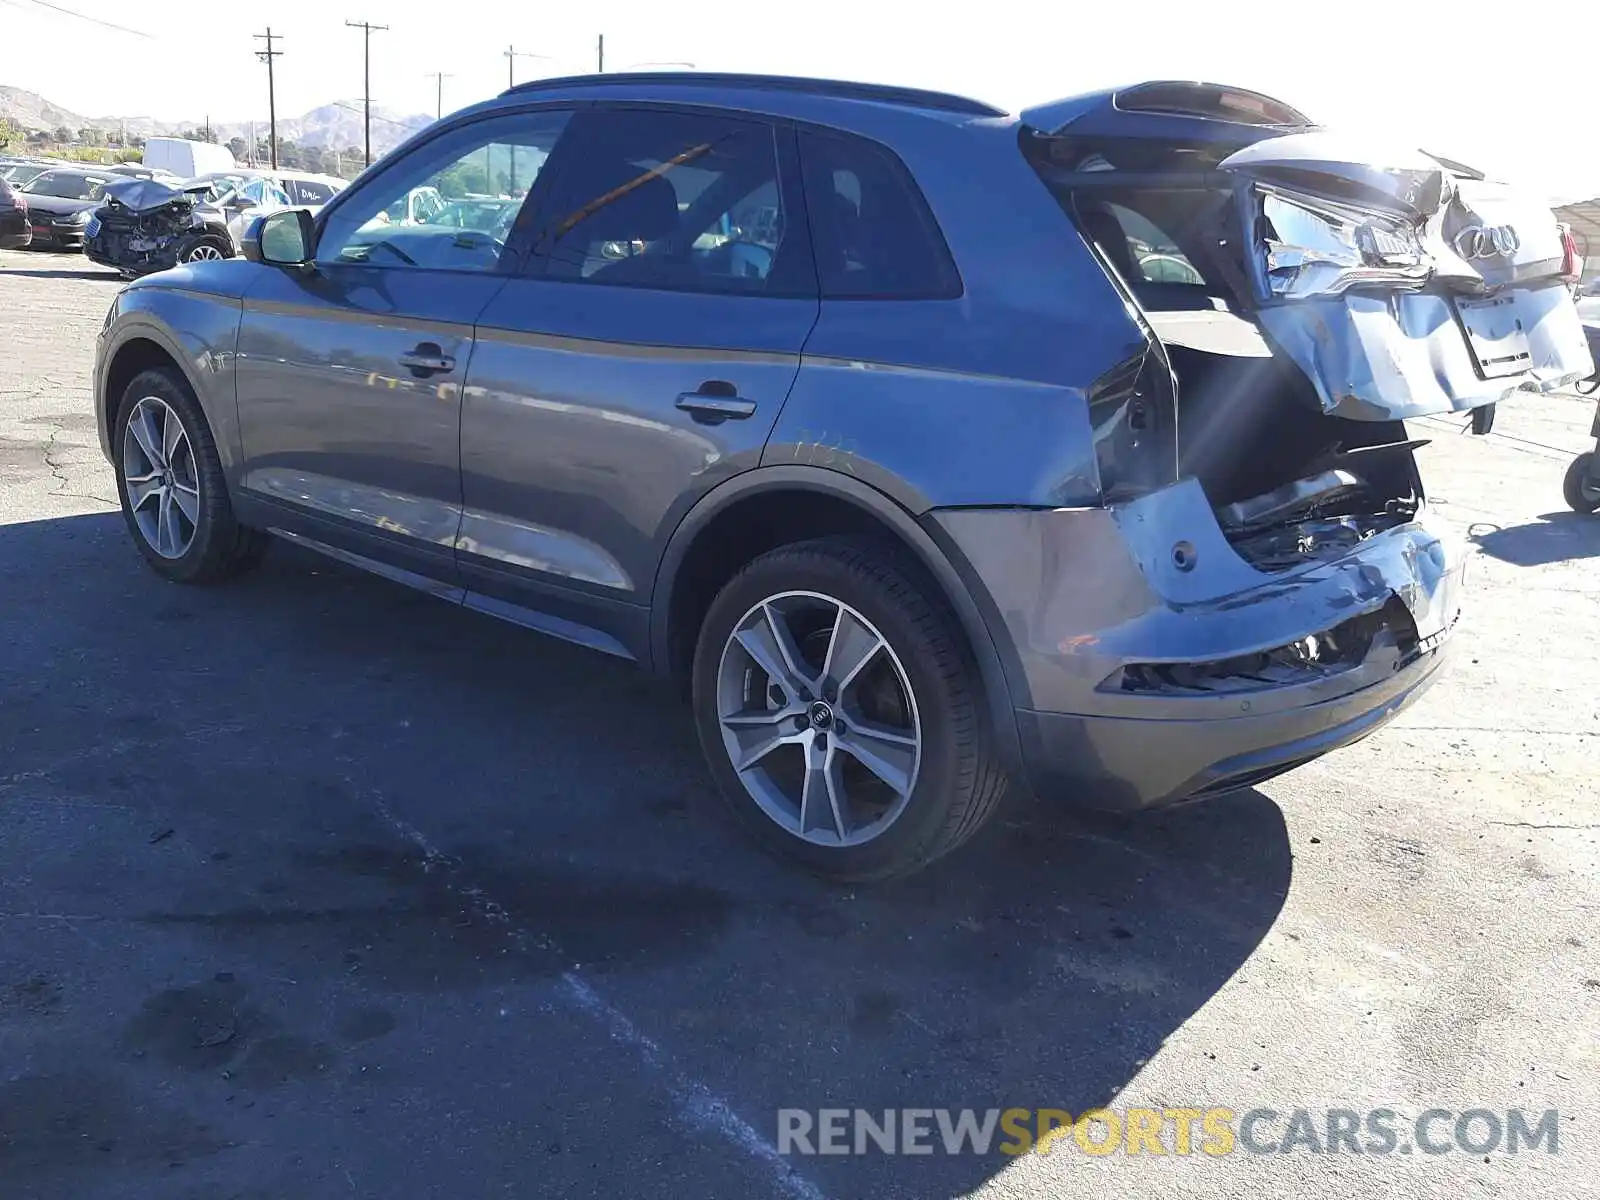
[933, 449]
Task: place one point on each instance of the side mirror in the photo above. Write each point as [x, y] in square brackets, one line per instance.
[281, 239]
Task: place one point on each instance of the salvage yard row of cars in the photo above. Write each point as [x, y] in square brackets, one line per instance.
[1116, 500]
[139, 219]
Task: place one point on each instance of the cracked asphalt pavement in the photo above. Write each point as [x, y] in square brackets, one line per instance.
[314, 887]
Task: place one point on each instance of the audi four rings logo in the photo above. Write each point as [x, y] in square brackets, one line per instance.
[1485, 241]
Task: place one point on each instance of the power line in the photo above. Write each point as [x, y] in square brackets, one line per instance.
[93, 20]
[367, 28]
[267, 56]
[375, 116]
[512, 54]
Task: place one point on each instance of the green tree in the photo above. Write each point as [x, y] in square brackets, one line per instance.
[10, 131]
[239, 148]
[63, 134]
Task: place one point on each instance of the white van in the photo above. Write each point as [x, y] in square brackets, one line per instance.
[186, 159]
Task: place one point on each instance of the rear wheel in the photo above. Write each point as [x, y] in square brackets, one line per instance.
[169, 477]
[1581, 487]
[839, 713]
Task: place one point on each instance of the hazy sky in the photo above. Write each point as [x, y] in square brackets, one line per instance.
[1502, 87]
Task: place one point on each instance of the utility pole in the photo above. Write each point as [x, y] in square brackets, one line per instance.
[267, 56]
[512, 54]
[600, 55]
[367, 29]
[439, 77]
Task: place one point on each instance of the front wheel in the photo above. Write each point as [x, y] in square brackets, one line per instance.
[1581, 486]
[204, 249]
[840, 712]
[169, 477]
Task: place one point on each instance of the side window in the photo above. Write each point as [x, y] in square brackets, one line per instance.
[873, 232]
[387, 220]
[1141, 250]
[678, 201]
[309, 192]
[260, 192]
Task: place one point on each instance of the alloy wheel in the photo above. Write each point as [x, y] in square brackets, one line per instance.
[818, 718]
[160, 478]
[204, 252]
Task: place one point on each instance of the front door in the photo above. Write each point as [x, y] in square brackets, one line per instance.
[642, 359]
[350, 372]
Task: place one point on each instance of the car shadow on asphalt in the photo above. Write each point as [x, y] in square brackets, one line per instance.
[316, 716]
[1549, 538]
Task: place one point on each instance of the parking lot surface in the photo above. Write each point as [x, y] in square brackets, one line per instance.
[311, 886]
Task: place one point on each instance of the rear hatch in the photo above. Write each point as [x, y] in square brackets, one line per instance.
[1304, 293]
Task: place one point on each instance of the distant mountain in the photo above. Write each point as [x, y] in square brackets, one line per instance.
[33, 111]
[335, 126]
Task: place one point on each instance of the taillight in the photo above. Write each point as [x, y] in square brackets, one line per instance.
[1571, 260]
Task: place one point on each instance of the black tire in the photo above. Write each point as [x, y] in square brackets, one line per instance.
[191, 244]
[1581, 487]
[221, 547]
[959, 782]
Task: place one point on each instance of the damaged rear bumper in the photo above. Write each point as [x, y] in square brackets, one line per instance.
[1149, 663]
[1128, 763]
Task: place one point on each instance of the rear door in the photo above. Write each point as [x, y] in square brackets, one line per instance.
[642, 359]
[350, 373]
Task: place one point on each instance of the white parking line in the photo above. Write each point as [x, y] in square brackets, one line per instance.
[694, 1104]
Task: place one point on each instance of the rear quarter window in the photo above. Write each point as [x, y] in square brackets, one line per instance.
[874, 235]
[306, 192]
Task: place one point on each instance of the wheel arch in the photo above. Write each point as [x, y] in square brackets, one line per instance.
[139, 352]
[141, 340]
[733, 522]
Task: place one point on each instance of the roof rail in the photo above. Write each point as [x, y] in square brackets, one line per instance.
[877, 93]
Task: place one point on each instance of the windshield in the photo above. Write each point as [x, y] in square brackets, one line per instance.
[21, 174]
[485, 216]
[218, 187]
[68, 185]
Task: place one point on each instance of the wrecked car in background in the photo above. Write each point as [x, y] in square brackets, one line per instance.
[162, 223]
[149, 225]
[146, 225]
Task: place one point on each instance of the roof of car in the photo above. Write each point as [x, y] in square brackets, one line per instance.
[718, 84]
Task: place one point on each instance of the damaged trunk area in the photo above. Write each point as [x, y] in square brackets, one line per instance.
[142, 226]
[1302, 295]
[1213, 399]
[1286, 481]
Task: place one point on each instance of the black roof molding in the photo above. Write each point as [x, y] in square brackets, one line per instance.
[835, 89]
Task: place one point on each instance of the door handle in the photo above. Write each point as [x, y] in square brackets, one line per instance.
[715, 402]
[427, 359]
